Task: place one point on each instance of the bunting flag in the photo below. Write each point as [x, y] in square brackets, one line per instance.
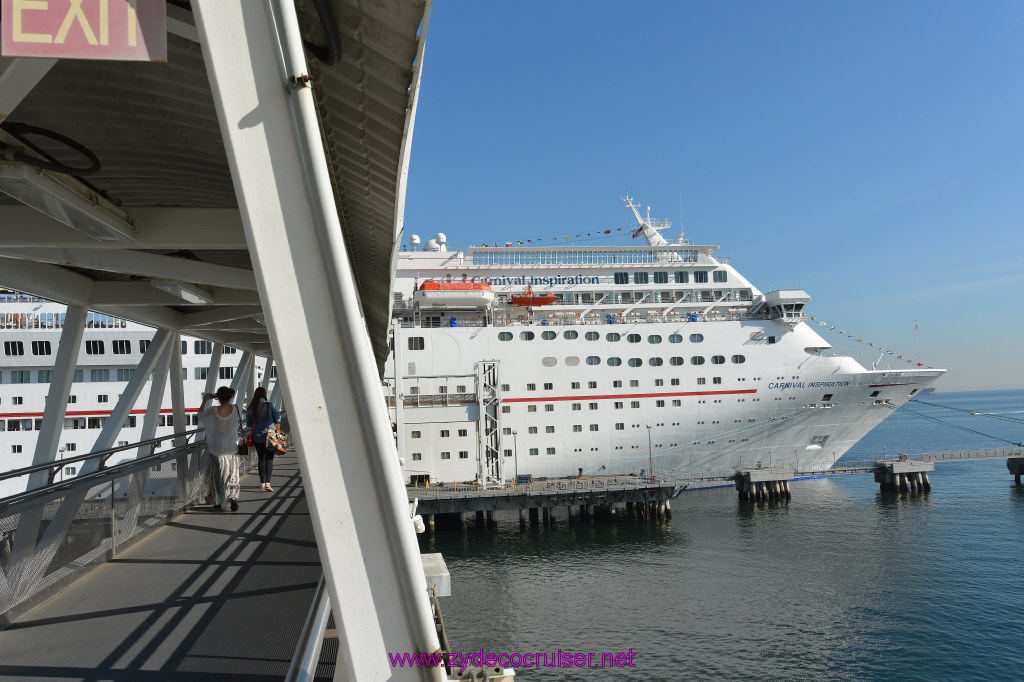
[880, 348]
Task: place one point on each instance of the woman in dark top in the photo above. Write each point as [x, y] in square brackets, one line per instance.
[259, 416]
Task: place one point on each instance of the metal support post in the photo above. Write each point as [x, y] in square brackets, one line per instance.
[303, 271]
[178, 416]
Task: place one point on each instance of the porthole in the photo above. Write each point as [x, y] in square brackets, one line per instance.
[636, 362]
[653, 338]
[717, 359]
[696, 338]
[697, 360]
[526, 336]
[593, 360]
[592, 336]
[675, 338]
[549, 362]
[612, 336]
[570, 334]
[505, 336]
[675, 361]
[548, 335]
[614, 362]
[572, 361]
[633, 338]
[738, 359]
[655, 362]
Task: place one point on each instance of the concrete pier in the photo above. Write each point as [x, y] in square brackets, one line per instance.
[762, 484]
[903, 475]
[1016, 467]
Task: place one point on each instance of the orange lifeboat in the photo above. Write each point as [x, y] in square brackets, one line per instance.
[528, 298]
[433, 294]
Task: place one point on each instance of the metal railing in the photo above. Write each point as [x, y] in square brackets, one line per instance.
[51, 531]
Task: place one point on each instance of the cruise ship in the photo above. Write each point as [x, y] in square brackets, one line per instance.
[30, 328]
[656, 358]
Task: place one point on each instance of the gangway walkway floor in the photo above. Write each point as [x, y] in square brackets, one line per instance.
[210, 595]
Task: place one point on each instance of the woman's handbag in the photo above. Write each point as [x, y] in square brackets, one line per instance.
[277, 442]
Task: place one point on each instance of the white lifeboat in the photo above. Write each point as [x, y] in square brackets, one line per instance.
[433, 294]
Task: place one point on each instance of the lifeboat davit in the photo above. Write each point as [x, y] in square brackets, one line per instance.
[433, 294]
[528, 298]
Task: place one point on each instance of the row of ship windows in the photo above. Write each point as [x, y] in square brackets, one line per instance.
[512, 256]
[614, 361]
[618, 404]
[571, 334]
[118, 346]
[56, 320]
[76, 423]
[576, 385]
[45, 376]
[679, 276]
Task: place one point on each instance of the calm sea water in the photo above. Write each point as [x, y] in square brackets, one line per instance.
[842, 582]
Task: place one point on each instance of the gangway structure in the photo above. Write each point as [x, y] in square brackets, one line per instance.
[248, 191]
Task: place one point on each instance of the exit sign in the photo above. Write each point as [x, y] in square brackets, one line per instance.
[132, 30]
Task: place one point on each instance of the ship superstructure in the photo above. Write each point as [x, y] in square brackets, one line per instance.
[112, 347]
[657, 355]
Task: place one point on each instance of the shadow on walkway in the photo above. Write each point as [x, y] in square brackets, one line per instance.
[210, 595]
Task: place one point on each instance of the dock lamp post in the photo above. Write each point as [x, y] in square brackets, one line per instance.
[515, 451]
[650, 452]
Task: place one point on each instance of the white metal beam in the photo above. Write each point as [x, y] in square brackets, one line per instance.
[159, 228]
[129, 262]
[349, 466]
[18, 75]
[219, 314]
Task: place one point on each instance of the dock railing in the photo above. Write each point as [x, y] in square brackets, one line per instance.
[54, 530]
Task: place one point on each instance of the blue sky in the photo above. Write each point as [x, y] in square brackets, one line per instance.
[869, 152]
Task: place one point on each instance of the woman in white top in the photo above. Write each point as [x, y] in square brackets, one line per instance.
[221, 425]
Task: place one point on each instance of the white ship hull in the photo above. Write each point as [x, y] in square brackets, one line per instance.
[658, 356]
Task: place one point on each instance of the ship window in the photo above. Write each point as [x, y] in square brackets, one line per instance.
[531, 408]
[675, 338]
[700, 277]
[659, 403]
[677, 403]
[463, 454]
[827, 397]
[659, 382]
[675, 361]
[526, 336]
[414, 434]
[593, 427]
[701, 381]
[577, 406]
[22, 376]
[618, 405]
[592, 406]
[548, 386]
[640, 278]
[548, 335]
[463, 432]
[617, 383]
[696, 338]
[570, 334]
[549, 362]
[506, 409]
[549, 429]
[446, 455]
[44, 376]
[505, 336]
[416, 343]
[417, 456]
[653, 338]
[634, 404]
[575, 385]
[532, 429]
[592, 336]
[506, 387]
[460, 389]
[15, 449]
[721, 276]
[591, 384]
[577, 428]
[534, 452]
[622, 278]
[531, 387]
[102, 398]
[697, 360]
[572, 360]
[633, 383]
[593, 360]
[226, 372]
[614, 362]
[636, 362]
[633, 338]
[122, 346]
[717, 359]
[99, 375]
[819, 440]
[202, 347]
[771, 339]
[506, 431]
[14, 348]
[661, 278]
[675, 382]
[612, 336]
[549, 407]
[230, 350]
[655, 362]
[716, 380]
[620, 426]
[739, 359]
[144, 345]
[682, 277]
[874, 394]
[40, 348]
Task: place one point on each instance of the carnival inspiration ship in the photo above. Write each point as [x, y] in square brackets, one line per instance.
[567, 360]
[111, 348]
